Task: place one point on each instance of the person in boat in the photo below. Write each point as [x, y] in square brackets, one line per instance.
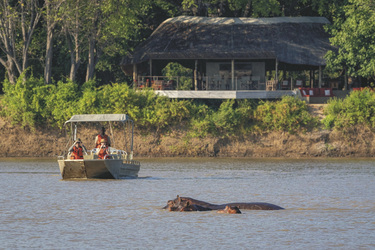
[101, 136]
[103, 150]
[77, 150]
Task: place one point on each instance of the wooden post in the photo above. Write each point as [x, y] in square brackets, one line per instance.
[135, 75]
[320, 76]
[150, 67]
[276, 73]
[233, 75]
[291, 83]
[195, 75]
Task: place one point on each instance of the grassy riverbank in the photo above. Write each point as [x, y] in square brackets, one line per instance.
[21, 142]
[33, 114]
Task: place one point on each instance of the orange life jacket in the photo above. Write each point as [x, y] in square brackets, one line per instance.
[103, 154]
[77, 153]
[100, 137]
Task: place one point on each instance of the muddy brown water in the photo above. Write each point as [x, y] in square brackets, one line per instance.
[328, 204]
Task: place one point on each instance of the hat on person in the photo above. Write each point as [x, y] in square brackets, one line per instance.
[103, 141]
[78, 140]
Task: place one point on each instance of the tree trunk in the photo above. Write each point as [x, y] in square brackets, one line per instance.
[26, 16]
[74, 65]
[9, 67]
[49, 56]
[91, 60]
[7, 42]
[28, 26]
[52, 18]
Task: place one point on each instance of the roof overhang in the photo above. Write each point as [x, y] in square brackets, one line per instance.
[98, 118]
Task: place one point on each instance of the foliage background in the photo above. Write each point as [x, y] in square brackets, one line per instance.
[90, 39]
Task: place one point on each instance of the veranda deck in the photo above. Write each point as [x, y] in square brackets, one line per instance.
[226, 94]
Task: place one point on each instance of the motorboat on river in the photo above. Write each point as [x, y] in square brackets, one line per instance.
[119, 164]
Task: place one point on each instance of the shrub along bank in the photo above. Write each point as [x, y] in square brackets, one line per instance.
[169, 127]
[32, 104]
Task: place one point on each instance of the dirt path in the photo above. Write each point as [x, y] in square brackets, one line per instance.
[317, 110]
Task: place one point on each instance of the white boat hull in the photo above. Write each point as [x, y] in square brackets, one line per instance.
[99, 169]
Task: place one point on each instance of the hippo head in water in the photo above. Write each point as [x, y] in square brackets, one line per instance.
[176, 204]
[230, 210]
[184, 205]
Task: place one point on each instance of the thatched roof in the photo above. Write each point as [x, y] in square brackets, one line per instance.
[293, 40]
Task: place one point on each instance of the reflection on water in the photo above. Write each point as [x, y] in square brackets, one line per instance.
[329, 204]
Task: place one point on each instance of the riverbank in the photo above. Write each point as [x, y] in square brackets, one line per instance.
[18, 142]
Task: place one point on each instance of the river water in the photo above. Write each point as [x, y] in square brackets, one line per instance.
[328, 204]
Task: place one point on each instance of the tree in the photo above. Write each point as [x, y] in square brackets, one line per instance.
[74, 22]
[232, 8]
[52, 17]
[17, 17]
[116, 26]
[353, 33]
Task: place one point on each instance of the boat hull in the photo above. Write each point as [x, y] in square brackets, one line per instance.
[99, 169]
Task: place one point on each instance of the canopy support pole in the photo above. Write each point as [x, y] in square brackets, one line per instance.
[111, 132]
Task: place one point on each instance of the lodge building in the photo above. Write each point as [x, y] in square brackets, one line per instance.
[233, 57]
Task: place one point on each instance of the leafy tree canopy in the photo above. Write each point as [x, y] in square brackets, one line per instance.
[353, 32]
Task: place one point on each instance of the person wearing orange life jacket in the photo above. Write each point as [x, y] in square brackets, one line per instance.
[77, 150]
[101, 136]
[103, 150]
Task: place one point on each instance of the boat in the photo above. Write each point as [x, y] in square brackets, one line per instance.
[120, 163]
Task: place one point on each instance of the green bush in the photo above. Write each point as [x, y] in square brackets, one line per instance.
[165, 112]
[227, 119]
[290, 115]
[31, 102]
[64, 102]
[356, 109]
[331, 111]
[231, 118]
[21, 100]
[201, 123]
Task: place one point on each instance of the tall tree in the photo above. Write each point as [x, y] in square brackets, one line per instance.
[52, 17]
[17, 17]
[73, 24]
[117, 25]
[353, 33]
[94, 29]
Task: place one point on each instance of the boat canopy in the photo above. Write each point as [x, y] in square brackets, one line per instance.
[98, 118]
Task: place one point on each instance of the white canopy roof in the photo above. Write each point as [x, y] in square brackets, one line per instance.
[98, 118]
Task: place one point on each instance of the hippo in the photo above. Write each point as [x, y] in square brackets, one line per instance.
[230, 210]
[180, 202]
[187, 207]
